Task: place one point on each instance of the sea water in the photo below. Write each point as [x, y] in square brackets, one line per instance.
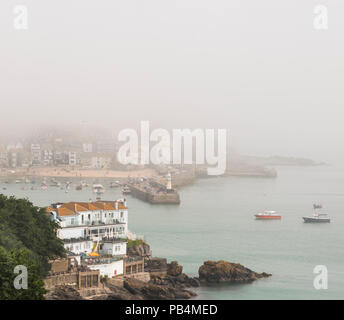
[215, 221]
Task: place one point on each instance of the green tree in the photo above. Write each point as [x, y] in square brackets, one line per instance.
[27, 237]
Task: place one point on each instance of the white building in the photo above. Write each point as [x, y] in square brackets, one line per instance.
[72, 156]
[47, 157]
[98, 229]
[109, 267]
[87, 147]
[36, 154]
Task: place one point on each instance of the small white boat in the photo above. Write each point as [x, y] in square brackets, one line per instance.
[98, 188]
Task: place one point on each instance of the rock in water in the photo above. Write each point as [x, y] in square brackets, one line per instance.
[227, 272]
[174, 269]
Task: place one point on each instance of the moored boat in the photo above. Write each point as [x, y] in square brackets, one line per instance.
[267, 215]
[126, 190]
[98, 189]
[317, 217]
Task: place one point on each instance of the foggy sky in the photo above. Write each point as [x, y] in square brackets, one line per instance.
[257, 68]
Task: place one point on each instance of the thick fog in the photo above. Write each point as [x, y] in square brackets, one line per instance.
[258, 68]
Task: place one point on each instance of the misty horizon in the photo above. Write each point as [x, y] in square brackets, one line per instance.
[259, 70]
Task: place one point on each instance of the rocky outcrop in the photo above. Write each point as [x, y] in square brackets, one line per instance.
[155, 291]
[167, 281]
[63, 293]
[174, 269]
[182, 281]
[156, 265]
[227, 272]
[142, 250]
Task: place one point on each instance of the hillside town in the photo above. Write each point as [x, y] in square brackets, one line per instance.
[51, 152]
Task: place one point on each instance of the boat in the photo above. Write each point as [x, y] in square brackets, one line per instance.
[267, 215]
[126, 190]
[115, 184]
[317, 217]
[98, 188]
[55, 183]
[44, 186]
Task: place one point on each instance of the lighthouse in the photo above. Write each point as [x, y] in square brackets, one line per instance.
[169, 182]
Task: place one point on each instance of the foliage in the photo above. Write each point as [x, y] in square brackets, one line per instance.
[27, 237]
[133, 243]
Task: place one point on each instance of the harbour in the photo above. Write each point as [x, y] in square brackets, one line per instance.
[191, 233]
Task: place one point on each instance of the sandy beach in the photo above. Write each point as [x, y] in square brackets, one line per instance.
[76, 173]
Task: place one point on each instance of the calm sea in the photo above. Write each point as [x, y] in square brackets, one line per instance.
[215, 221]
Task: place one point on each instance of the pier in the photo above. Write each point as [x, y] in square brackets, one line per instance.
[154, 192]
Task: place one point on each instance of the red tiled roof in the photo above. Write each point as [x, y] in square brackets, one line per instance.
[72, 208]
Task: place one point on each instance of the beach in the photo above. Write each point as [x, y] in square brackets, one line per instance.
[65, 172]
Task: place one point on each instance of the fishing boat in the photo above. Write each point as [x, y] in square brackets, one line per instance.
[126, 190]
[317, 217]
[267, 215]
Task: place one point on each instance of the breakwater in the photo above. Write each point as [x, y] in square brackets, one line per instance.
[154, 192]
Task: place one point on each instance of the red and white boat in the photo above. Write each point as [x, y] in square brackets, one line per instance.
[267, 215]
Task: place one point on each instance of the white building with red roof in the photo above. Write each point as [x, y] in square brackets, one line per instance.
[94, 231]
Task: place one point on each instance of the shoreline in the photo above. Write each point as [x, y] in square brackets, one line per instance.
[60, 172]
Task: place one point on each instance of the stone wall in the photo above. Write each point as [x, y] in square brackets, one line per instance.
[59, 265]
[70, 279]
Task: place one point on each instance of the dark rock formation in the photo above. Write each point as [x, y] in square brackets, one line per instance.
[142, 250]
[154, 291]
[156, 265]
[167, 282]
[227, 272]
[182, 281]
[63, 293]
[174, 269]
